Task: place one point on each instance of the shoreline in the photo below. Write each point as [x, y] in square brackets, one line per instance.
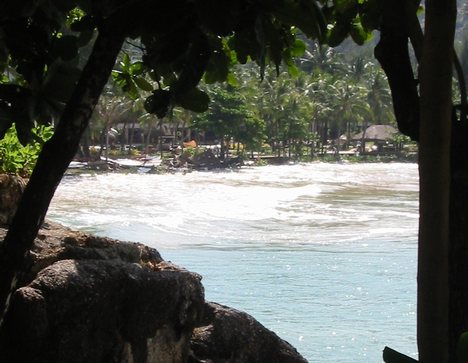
[155, 165]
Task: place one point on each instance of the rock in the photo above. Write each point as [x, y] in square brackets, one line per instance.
[103, 311]
[11, 190]
[94, 299]
[206, 160]
[99, 300]
[55, 242]
[232, 336]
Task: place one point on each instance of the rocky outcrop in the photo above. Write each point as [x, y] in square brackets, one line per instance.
[93, 299]
[11, 189]
[103, 311]
[232, 336]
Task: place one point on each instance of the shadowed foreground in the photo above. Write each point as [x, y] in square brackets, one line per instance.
[94, 299]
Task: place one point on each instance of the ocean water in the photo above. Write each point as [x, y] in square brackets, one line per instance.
[322, 254]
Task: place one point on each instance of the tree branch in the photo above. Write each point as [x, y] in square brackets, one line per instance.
[393, 55]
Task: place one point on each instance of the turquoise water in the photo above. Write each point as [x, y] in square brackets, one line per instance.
[322, 254]
[333, 305]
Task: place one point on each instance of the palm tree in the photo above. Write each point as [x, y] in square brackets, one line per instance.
[110, 109]
[350, 106]
[321, 59]
[379, 98]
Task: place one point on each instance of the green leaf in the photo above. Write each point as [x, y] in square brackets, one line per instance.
[298, 48]
[193, 100]
[358, 33]
[125, 63]
[132, 89]
[293, 70]
[116, 75]
[15, 158]
[137, 68]
[232, 80]
[143, 84]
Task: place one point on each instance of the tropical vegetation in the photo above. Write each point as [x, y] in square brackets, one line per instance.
[56, 58]
[328, 96]
[19, 159]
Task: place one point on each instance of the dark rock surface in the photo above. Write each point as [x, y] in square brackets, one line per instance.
[94, 299]
[103, 311]
[232, 336]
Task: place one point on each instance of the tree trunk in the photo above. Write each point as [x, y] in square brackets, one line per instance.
[54, 160]
[434, 168]
[130, 142]
[161, 137]
[363, 138]
[107, 142]
[393, 55]
[325, 137]
[124, 137]
[148, 137]
[458, 254]
[85, 142]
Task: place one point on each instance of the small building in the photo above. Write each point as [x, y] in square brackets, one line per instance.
[377, 137]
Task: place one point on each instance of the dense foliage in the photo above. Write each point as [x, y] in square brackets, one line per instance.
[16, 158]
[330, 95]
[228, 116]
[191, 40]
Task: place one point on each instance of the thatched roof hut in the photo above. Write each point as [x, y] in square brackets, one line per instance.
[377, 133]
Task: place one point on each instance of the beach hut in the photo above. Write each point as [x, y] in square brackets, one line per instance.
[376, 137]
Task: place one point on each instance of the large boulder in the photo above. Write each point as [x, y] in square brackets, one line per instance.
[103, 311]
[91, 299]
[228, 335]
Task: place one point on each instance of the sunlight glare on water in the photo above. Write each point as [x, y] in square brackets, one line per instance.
[323, 254]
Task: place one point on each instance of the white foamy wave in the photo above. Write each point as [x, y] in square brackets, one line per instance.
[308, 204]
